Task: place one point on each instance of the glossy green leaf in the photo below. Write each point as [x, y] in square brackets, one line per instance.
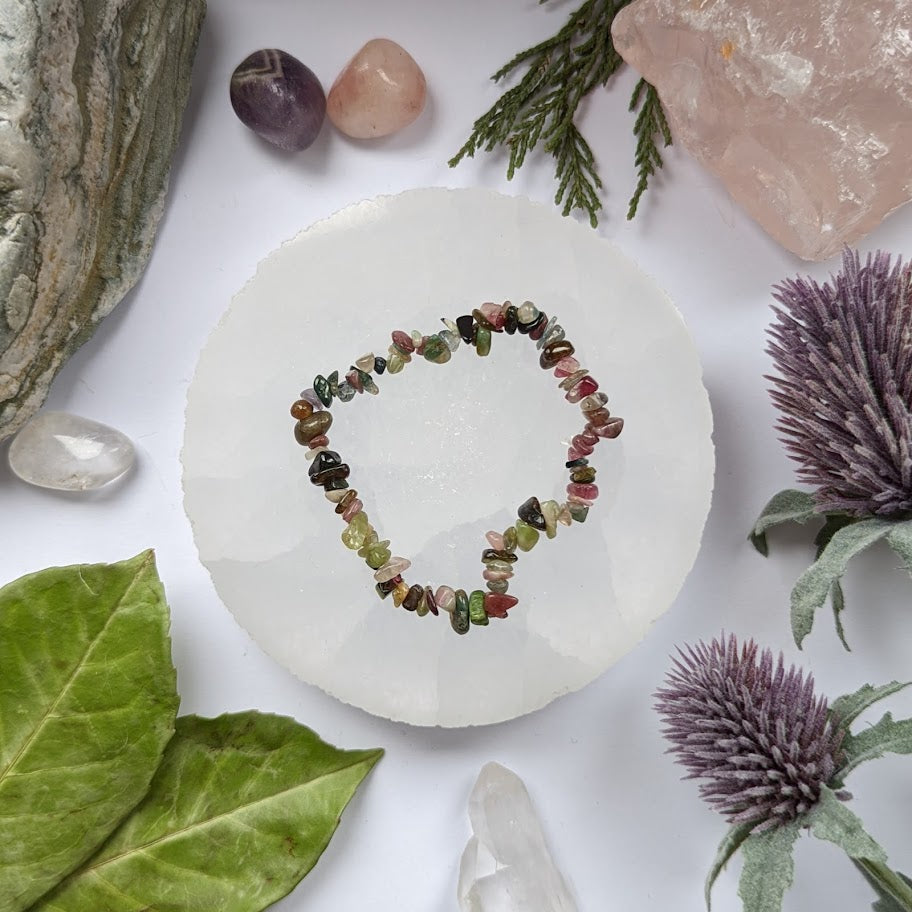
[729, 845]
[87, 705]
[848, 708]
[832, 820]
[768, 868]
[815, 584]
[786, 506]
[240, 810]
[886, 736]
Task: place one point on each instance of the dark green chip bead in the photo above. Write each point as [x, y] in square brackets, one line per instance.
[510, 320]
[333, 381]
[477, 614]
[367, 382]
[333, 473]
[578, 512]
[459, 619]
[583, 475]
[531, 513]
[384, 589]
[490, 554]
[483, 341]
[575, 463]
[498, 586]
[337, 484]
[379, 365]
[436, 350]
[321, 388]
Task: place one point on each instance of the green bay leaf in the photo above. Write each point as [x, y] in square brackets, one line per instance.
[87, 705]
[240, 810]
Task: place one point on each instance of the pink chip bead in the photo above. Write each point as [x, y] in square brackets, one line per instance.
[586, 491]
[588, 437]
[572, 498]
[574, 453]
[566, 367]
[353, 508]
[495, 540]
[579, 443]
[497, 605]
[320, 441]
[497, 574]
[354, 378]
[611, 430]
[491, 311]
[445, 597]
[403, 340]
[587, 386]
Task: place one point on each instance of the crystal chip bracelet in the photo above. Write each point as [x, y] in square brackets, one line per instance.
[533, 517]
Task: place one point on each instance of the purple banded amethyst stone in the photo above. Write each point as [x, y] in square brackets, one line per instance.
[279, 98]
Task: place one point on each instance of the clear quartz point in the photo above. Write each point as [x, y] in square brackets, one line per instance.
[506, 865]
[68, 453]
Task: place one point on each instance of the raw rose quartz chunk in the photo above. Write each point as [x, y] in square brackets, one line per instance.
[380, 90]
[802, 108]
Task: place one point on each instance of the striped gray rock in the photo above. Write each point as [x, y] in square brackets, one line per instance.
[91, 98]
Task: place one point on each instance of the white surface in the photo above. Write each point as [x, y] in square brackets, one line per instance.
[624, 831]
[417, 456]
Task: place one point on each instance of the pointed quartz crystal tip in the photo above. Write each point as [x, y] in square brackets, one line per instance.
[506, 865]
[68, 453]
[802, 109]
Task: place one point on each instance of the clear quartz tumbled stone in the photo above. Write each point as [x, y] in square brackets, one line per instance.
[69, 453]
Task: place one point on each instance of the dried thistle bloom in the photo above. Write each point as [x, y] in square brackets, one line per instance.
[754, 732]
[844, 350]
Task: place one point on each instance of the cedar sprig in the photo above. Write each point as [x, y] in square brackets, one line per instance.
[541, 109]
[650, 124]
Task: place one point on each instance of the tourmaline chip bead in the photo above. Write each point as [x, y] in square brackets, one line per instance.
[278, 98]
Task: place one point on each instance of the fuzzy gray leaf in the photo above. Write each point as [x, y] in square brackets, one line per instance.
[849, 707]
[729, 845]
[786, 506]
[831, 819]
[886, 736]
[899, 539]
[768, 868]
[815, 583]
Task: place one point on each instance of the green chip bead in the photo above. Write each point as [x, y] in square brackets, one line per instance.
[483, 341]
[526, 536]
[436, 350]
[376, 554]
[477, 614]
[459, 619]
[499, 566]
[357, 532]
[550, 510]
[321, 388]
[579, 512]
[395, 363]
[422, 608]
[509, 538]
[333, 381]
[583, 475]
[498, 586]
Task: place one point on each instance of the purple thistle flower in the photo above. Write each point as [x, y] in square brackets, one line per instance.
[844, 350]
[756, 733]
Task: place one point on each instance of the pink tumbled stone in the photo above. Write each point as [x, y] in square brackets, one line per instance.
[495, 540]
[355, 380]
[353, 508]
[802, 108]
[586, 387]
[574, 453]
[566, 367]
[491, 311]
[380, 90]
[497, 605]
[586, 491]
[588, 437]
[497, 574]
[321, 440]
[403, 340]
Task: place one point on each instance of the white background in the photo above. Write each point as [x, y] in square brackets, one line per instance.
[625, 831]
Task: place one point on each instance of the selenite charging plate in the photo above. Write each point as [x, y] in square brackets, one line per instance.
[444, 453]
